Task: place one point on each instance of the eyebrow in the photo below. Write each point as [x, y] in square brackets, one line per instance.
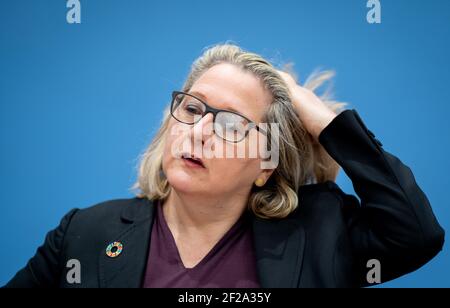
[204, 98]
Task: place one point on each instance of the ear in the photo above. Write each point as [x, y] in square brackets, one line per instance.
[265, 174]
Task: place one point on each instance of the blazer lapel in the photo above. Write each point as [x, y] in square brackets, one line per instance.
[127, 269]
[279, 247]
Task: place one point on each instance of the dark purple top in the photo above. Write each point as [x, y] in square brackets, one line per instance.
[229, 264]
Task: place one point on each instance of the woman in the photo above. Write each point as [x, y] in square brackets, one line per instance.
[212, 221]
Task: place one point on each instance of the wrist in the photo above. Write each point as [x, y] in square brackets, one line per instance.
[322, 124]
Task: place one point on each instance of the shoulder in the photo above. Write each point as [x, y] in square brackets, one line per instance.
[312, 193]
[110, 214]
[111, 207]
[324, 199]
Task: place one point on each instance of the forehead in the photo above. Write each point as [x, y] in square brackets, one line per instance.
[225, 86]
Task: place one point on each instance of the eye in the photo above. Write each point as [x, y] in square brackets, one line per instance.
[193, 109]
[233, 126]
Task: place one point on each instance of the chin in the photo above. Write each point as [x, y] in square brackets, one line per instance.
[183, 182]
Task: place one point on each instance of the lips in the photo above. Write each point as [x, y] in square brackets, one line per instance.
[193, 159]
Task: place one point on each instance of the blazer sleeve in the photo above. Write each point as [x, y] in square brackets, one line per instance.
[393, 221]
[44, 268]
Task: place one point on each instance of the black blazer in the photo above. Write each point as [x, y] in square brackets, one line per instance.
[325, 242]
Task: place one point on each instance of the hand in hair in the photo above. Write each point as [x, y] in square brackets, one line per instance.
[312, 111]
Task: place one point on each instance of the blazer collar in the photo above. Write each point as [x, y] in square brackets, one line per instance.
[279, 247]
[127, 269]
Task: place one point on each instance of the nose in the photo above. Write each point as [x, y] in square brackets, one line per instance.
[203, 129]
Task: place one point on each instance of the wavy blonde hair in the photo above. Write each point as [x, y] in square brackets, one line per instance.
[301, 159]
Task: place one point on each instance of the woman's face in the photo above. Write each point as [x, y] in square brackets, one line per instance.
[224, 86]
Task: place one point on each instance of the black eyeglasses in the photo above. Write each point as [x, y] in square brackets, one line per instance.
[228, 125]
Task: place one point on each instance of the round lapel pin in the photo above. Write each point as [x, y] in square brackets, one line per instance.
[114, 249]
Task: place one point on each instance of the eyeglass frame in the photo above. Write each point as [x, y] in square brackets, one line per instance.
[215, 111]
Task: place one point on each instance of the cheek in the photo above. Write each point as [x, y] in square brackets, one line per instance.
[168, 141]
[237, 171]
[240, 161]
[245, 151]
[174, 139]
[171, 142]
[256, 144]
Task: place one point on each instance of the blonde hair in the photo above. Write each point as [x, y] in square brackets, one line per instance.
[301, 159]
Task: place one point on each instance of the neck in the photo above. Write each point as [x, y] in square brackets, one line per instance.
[204, 216]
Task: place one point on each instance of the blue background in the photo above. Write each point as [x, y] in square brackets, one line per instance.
[79, 102]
